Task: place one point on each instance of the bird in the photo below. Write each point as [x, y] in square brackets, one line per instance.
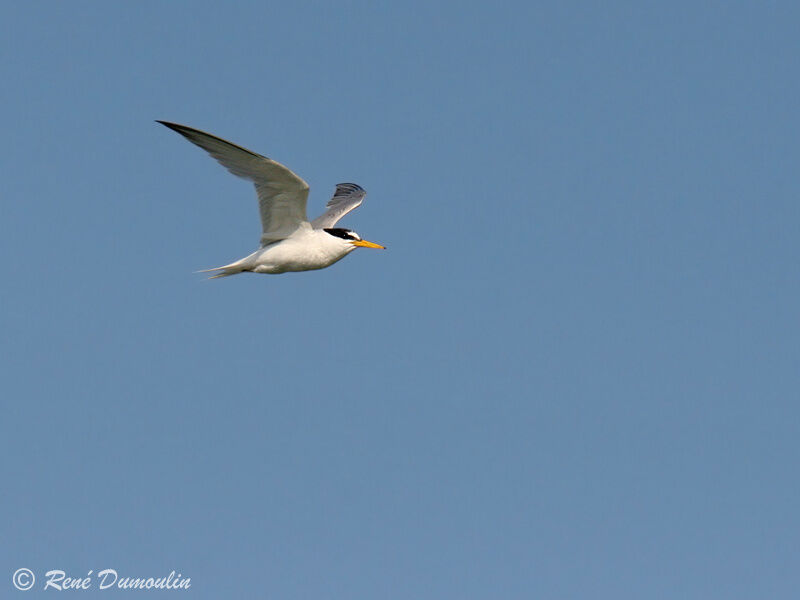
[289, 241]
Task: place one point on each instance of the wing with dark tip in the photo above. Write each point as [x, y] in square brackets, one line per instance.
[346, 197]
[282, 195]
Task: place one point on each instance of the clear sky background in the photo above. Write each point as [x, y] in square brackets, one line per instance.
[574, 373]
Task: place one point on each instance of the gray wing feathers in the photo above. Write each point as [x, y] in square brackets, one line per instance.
[346, 197]
[282, 195]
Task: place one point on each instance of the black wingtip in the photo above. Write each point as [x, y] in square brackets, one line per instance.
[173, 126]
[182, 129]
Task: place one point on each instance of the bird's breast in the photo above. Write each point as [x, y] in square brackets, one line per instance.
[305, 254]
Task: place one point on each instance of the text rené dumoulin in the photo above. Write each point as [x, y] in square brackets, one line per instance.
[109, 578]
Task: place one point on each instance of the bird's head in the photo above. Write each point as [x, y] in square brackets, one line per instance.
[350, 237]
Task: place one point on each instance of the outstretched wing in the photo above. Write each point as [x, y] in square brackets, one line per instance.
[282, 195]
[346, 197]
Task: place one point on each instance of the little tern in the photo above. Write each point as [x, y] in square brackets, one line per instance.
[289, 242]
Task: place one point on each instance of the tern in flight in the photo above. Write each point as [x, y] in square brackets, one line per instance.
[289, 242]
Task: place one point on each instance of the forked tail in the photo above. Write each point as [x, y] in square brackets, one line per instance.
[226, 270]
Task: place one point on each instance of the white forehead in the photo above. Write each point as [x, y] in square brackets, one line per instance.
[355, 235]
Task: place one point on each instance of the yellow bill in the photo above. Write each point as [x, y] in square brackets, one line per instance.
[366, 244]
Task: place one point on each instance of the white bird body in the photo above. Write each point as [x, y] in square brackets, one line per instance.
[289, 242]
[306, 249]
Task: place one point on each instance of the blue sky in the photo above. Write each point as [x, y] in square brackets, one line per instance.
[573, 374]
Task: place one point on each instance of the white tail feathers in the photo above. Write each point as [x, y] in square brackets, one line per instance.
[225, 271]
